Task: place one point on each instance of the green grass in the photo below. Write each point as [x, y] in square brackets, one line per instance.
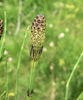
[72, 73]
[19, 61]
[61, 17]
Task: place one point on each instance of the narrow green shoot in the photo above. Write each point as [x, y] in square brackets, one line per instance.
[19, 61]
[4, 35]
[7, 81]
[31, 79]
[71, 75]
[32, 75]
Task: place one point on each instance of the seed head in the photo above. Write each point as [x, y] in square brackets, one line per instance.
[37, 37]
[1, 27]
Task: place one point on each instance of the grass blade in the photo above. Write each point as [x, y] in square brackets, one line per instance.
[19, 61]
[71, 75]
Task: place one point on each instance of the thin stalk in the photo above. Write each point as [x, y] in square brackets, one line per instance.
[4, 35]
[32, 77]
[19, 61]
[71, 75]
[7, 82]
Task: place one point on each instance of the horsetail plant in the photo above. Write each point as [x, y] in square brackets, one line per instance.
[37, 41]
[2, 32]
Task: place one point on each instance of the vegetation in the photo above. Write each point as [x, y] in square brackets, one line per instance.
[61, 51]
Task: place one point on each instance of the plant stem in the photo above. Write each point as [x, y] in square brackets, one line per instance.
[19, 61]
[32, 77]
[7, 82]
[4, 35]
[71, 75]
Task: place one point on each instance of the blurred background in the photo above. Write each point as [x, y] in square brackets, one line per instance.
[62, 48]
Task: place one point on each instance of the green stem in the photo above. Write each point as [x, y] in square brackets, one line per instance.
[4, 35]
[71, 75]
[32, 77]
[7, 82]
[19, 61]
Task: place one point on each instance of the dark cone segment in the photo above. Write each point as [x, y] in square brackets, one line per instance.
[1, 28]
[30, 93]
